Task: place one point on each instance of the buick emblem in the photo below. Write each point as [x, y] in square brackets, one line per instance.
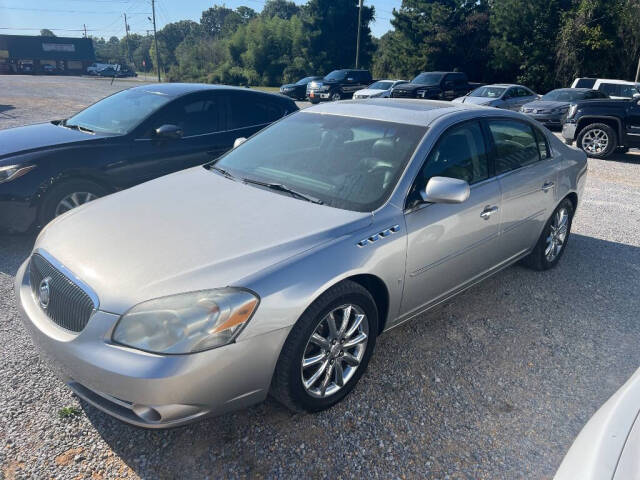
[44, 292]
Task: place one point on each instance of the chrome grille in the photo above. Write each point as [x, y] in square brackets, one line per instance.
[69, 306]
[402, 93]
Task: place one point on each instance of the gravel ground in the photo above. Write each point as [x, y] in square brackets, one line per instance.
[494, 384]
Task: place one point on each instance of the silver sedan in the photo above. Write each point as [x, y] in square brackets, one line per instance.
[274, 269]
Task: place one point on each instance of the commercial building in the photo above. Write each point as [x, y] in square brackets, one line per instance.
[25, 54]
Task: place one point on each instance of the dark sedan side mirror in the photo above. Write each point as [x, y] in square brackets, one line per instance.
[169, 131]
[445, 190]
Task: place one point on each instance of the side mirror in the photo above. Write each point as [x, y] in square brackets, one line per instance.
[445, 190]
[239, 141]
[169, 131]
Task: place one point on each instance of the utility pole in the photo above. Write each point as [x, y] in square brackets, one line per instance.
[85, 29]
[155, 37]
[126, 29]
[358, 39]
[638, 71]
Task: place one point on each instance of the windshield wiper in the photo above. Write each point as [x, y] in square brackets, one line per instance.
[76, 127]
[278, 187]
[222, 171]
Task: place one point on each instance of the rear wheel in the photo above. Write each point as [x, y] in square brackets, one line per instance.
[553, 240]
[597, 140]
[66, 196]
[328, 349]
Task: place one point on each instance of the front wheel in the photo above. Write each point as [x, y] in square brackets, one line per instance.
[336, 96]
[66, 196]
[328, 349]
[597, 140]
[553, 240]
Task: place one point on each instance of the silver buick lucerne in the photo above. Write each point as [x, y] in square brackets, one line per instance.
[274, 269]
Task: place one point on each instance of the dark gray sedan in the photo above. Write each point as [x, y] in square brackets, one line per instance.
[551, 108]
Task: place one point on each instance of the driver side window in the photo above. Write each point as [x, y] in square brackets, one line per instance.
[460, 153]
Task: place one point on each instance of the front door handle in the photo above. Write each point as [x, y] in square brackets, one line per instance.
[547, 186]
[488, 211]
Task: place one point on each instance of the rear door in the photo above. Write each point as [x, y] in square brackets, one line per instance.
[527, 174]
[633, 122]
[451, 245]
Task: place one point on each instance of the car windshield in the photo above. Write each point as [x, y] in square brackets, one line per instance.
[428, 78]
[381, 86]
[344, 162]
[564, 95]
[305, 80]
[120, 113]
[488, 92]
[336, 75]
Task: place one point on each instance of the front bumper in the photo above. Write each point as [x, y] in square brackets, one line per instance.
[319, 95]
[553, 120]
[569, 131]
[145, 389]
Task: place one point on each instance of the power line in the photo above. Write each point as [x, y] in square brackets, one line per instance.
[88, 12]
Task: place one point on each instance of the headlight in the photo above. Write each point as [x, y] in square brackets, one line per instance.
[11, 172]
[188, 322]
[572, 111]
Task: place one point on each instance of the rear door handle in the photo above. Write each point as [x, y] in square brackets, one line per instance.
[488, 211]
[547, 186]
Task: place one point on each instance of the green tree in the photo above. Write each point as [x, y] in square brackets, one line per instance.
[45, 32]
[280, 8]
[332, 27]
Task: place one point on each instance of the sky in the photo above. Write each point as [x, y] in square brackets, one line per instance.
[104, 18]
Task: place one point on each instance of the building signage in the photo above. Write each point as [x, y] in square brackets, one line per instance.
[58, 47]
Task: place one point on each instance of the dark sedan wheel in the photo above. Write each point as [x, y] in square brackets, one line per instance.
[553, 240]
[597, 140]
[66, 196]
[328, 349]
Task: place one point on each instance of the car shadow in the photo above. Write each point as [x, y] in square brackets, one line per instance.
[632, 156]
[510, 369]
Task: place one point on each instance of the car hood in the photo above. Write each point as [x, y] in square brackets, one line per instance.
[288, 85]
[19, 140]
[188, 231]
[546, 104]
[477, 100]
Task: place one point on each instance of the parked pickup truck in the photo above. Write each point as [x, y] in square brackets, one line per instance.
[600, 127]
[338, 85]
[436, 86]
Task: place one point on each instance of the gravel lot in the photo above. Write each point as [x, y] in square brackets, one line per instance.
[494, 384]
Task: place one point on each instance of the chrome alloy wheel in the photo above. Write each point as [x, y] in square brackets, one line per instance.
[557, 234]
[334, 351]
[336, 96]
[595, 141]
[73, 200]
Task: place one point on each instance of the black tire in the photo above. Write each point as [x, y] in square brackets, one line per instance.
[612, 140]
[335, 96]
[286, 385]
[537, 259]
[63, 189]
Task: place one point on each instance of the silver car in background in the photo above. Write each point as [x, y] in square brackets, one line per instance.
[499, 95]
[274, 269]
[379, 89]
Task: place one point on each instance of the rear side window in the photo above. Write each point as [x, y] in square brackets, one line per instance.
[515, 145]
[251, 110]
[543, 146]
[585, 83]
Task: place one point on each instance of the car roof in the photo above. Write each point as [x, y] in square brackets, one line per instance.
[613, 80]
[179, 89]
[398, 110]
[506, 85]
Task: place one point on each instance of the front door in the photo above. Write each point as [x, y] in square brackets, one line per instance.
[450, 245]
[633, 123]
[527, 175]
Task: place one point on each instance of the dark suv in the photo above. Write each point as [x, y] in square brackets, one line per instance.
[436, 86]
[600, 127]
[338, 84]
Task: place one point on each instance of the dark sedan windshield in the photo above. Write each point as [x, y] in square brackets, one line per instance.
[336, 75]
[564, 95]
[428, 78]
[344, 162]
[305, 80]
[120, 113]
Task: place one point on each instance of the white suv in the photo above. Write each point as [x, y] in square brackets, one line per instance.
[616, 89]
